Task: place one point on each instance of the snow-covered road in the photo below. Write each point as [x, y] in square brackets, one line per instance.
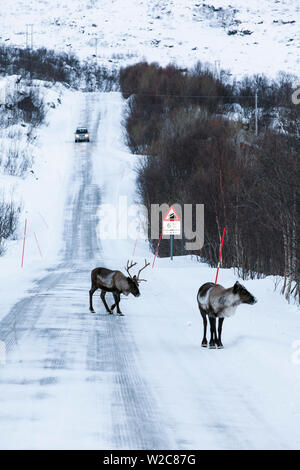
[77, 380]
[71, 379]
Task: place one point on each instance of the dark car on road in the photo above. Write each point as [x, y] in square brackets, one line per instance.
[82, 135]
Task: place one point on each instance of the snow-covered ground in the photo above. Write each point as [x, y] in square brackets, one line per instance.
[72, 379]
[244, 398]
[77, 380]
[261, 36]
[41, 193]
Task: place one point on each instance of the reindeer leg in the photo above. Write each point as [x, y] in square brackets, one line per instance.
[213, 335]
[102, 295]
[204, 341]
[117, 299]
[219, 339]
[116, 304]
[91, 292]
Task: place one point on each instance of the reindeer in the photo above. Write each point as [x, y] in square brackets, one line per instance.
[116, 283]
[215, 302]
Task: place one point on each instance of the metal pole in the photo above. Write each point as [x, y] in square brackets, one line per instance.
[171, 245]
[96, 48]
[256, 115]
[217, 68]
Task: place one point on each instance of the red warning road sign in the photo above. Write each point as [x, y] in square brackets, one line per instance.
[172, 215]
[171, 223]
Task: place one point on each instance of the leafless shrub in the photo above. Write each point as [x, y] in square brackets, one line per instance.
[17, 161]
[9, 215]
[248, 184]
[46, 64]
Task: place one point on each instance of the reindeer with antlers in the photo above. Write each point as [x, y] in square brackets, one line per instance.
[116, 283]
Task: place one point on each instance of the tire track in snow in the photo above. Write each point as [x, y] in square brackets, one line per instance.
[71, 379]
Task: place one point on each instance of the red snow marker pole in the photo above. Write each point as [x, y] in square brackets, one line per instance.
[133, 251]
[43, 219]
[220, 255]
[157, 249]
[37, 244]
[23, 250]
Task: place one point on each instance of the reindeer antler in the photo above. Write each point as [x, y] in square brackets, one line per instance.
[138, 276]
[129, 267]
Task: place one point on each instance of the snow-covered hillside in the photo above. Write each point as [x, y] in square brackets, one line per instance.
[261, 36]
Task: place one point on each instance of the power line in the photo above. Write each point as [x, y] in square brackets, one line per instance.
[162, 95]
[185, 96]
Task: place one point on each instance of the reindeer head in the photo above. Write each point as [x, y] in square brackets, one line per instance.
[134, 281]
[245, 296]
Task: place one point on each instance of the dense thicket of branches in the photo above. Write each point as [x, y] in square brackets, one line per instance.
[45, 64]
[9, 215]
[195, 154]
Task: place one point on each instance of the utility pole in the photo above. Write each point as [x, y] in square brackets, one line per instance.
[31, 36]
[96, 47]
[217, 68]
[256, 114]
[27, 35]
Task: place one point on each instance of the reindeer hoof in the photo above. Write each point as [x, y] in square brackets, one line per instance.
[212, 346]
[220, 346]
[204, 345]
[92, 310]
[121, 314]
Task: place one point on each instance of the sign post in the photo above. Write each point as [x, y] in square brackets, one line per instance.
[171, 246]
[171, 226]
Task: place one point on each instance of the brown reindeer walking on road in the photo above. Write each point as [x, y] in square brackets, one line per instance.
[215, 302]
[116, 283]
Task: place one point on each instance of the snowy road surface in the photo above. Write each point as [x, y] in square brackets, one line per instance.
[77, 380]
